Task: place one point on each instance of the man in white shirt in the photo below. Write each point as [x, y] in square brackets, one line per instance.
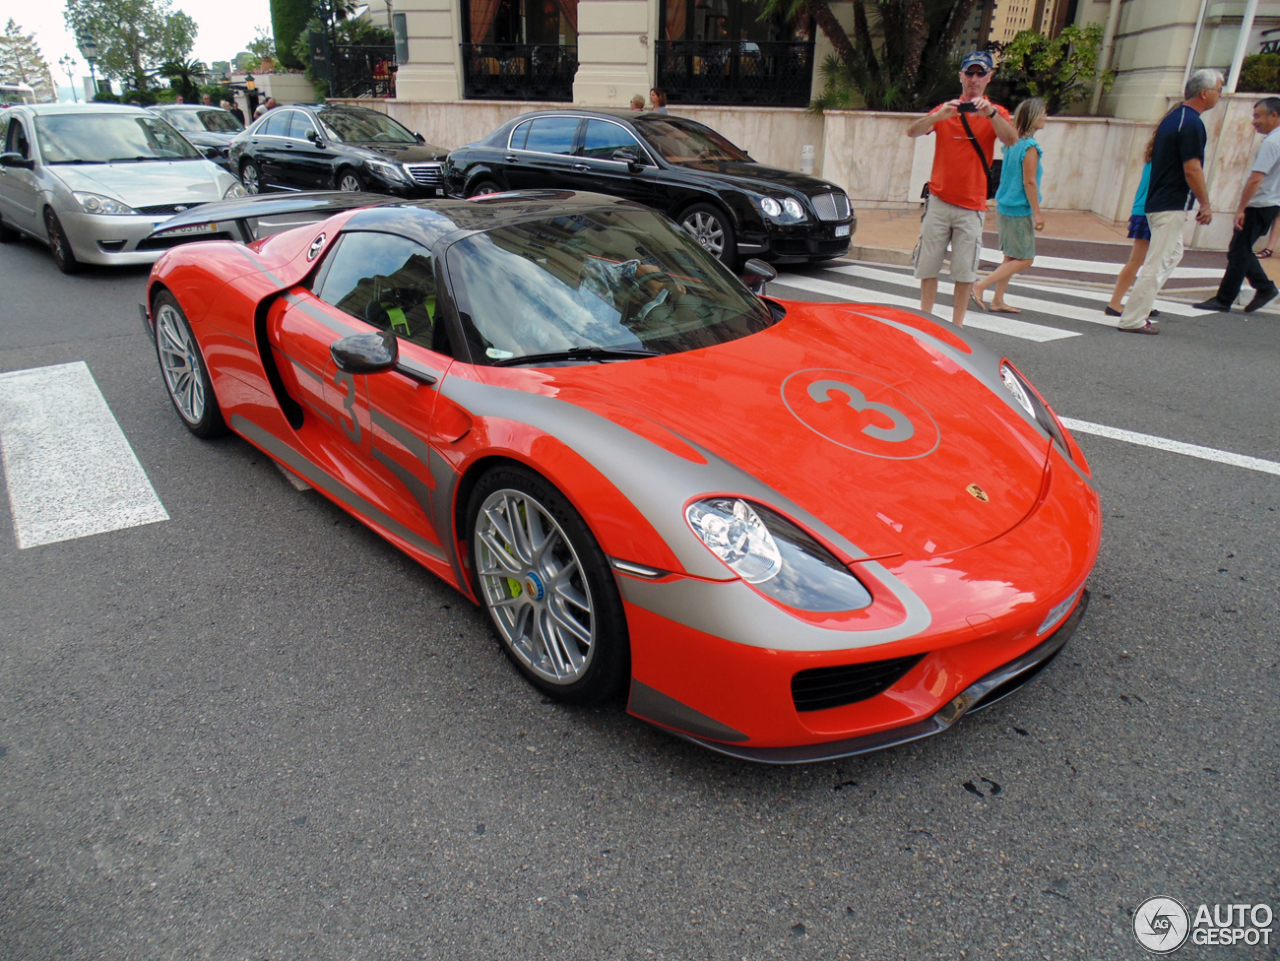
[1256, 212]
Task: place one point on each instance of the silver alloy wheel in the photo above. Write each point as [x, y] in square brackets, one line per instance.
[350, 182]
[534, 586]
[180, 365]
[56, 242]
[249, 178]
[707, 230]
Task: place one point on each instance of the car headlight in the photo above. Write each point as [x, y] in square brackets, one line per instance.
[387, 170]
[793, 208]
[235, 190]
[1029, 401]
[98, 204]
[775, 556]
[771, 207]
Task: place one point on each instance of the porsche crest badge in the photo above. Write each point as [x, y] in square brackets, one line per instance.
[978, 492]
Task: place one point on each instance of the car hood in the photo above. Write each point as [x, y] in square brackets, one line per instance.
[758, 177]
[211, 139]
[150, 182]
[778, 405]
[405, 153]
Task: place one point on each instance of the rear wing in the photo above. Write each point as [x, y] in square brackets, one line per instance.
[251, 218]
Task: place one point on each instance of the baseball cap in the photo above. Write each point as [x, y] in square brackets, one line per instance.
[981, 57]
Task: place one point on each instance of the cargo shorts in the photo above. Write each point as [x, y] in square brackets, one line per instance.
[945, 224]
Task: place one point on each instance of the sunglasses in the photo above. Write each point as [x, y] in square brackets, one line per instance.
[975, 71]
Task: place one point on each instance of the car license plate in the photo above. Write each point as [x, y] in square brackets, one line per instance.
[842, 230]
[193, 229]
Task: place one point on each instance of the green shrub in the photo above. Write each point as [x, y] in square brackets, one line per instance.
[1260, 74]
[288, 22]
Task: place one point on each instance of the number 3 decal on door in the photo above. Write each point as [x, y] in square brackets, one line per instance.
[341, 378]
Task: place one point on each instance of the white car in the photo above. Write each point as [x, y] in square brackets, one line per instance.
[93, 181]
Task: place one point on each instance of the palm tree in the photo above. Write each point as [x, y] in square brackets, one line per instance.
[184, 77]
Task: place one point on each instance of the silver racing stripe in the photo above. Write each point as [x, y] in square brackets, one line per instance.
[337, 326]
[659, 484]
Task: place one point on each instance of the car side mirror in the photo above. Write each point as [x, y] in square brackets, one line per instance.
[15, 159]
[628, 156]
[210, 152]
[370, 353]
[314, 137]
[756, 273]
[418, 137]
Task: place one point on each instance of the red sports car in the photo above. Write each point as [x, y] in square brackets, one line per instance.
[790, 531]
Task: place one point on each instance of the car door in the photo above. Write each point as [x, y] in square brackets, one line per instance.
[288, 152]
[267, 145]
[595, 168]
[19, 195]
[375, 429]
[542, 153]
[311, 165]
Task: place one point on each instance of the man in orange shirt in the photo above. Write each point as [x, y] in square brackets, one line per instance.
[957, 199]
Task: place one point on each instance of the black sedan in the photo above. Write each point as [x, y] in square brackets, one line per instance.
[210, 128]
[331, 146]
[733, 205]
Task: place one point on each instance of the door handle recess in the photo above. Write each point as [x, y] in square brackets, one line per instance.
[511, 158]
[581, 168]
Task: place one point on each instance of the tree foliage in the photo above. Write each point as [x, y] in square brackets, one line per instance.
[1260, 74]
[288, 23]
[185, 78]
[22, 62]
[135, 37]
[901, 55]
[1060, 71]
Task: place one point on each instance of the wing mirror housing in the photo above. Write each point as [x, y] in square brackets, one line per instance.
[370, 353]
[314, 137]
[756, 273]
[15, 159]
[418, 137]
[628, 156]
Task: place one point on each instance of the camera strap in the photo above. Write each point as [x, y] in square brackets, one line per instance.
[976, 146]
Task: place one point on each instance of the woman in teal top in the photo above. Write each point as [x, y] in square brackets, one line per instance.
[1140, 233]
[1018, 201]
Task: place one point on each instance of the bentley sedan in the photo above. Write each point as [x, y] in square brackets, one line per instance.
[335, 147]
[734, 207]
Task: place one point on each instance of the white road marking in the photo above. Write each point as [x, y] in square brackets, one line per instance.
[70, 469]
[1104, 267]
[1174, 446]
[974, 319]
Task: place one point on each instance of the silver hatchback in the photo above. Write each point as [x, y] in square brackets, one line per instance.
[93, 181]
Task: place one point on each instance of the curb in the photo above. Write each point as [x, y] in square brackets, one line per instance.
[879, 255]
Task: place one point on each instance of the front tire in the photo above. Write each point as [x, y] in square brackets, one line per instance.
[483, 188]
[547, 586]
[7, 234]
[351, 182]
[711, 228]
[59, 245]
[183, 368]
[251, 177]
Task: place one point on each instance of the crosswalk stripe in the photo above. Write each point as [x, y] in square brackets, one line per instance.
[1175, 446]
[70, 469]
[974, 319]
[1103, 267]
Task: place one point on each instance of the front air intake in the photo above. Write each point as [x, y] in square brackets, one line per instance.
[827, 687]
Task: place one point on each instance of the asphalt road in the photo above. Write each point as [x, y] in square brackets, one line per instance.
[256, 731]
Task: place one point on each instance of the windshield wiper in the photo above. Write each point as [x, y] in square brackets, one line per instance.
[577, 353]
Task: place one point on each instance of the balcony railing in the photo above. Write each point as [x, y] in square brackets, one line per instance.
[518, 71]
[363, 71]
[768, 73]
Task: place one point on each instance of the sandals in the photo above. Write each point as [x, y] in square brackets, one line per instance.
[1265, 252]
[1005, 310]
[977, 299]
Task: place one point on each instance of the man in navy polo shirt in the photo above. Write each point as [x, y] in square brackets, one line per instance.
[1177, 180]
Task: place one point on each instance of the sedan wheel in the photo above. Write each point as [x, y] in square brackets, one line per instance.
[484, 188]
[709, 228]
[184, 371]
[350, 181]
[63, 255]
[547, 586]
[250, 178]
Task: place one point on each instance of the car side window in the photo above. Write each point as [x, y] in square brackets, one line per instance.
[274, 124]
[520, 134]
[603, 138]
[552, 134]
[300, 125]
[16, 140]
[389, 283]
[291, 124]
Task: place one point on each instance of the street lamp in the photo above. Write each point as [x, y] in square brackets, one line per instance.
[68, 63]
[88, 45]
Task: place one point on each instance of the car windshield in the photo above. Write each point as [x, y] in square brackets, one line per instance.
[365, 126]
[106, 138]
[681, 141]
[617, 279]
[203, 121]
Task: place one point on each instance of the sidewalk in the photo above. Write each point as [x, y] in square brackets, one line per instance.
[888, 237]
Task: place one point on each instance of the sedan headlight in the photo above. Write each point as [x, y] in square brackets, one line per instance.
[771, 207]
[387, 170]
[793, 208]
[1031, 403]
[775, 556]
[786, 210]
[98, 204]
[235, 190]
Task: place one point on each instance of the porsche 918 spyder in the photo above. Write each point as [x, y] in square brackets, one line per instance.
[788, 531]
